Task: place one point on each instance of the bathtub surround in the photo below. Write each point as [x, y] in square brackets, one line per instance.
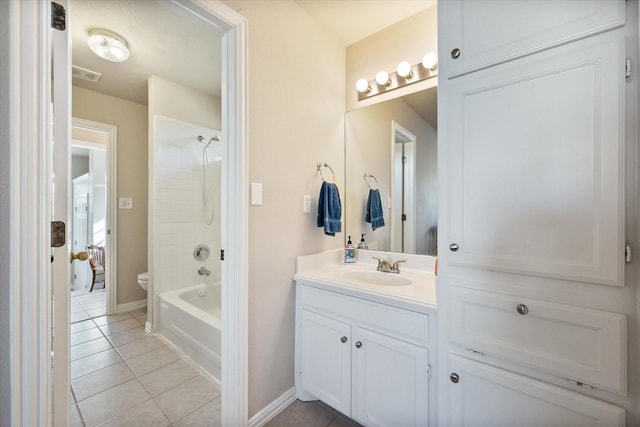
[178, 284]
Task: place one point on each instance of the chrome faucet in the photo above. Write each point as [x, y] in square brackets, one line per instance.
[395, 268]
[386, 266]
[204, 272]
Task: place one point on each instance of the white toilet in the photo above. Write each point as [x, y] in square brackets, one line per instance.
[143, 280]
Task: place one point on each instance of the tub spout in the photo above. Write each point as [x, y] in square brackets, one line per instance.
[204, 272]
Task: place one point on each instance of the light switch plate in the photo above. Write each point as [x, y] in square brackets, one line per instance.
[125, 203]
[306, 204]
[256, 194]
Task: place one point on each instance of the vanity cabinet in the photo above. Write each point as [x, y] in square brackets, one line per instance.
[366, 359]
[490, 32]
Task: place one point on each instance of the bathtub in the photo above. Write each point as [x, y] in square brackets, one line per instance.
[190, 320]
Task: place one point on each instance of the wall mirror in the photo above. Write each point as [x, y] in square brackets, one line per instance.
[392, 147]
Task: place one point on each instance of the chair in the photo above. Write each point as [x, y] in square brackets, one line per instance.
[96, 262]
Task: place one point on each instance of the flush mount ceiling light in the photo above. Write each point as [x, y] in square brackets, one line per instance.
[108, 45]
[404, 75]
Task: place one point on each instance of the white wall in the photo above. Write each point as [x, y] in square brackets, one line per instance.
[131, 121]
[296, 107]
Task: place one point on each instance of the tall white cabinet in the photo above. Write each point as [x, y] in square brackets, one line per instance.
[538, 190]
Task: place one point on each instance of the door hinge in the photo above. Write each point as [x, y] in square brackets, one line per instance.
[221, 254]
[628, 247]
[58, 234]
[627, 70]
[429, 371]
[475, 352]
[58, 17]
[404, 217]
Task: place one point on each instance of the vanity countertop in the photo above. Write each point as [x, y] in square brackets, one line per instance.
[326, 271]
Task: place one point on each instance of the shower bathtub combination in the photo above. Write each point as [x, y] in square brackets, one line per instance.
[186, 231]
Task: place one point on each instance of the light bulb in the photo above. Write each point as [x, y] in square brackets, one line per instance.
[362, 85]
[404, 70]
[430, 61]
[382, 78]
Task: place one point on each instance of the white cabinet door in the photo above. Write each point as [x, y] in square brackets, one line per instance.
[488, 397]
[390, 381]
[325, 360]
[490, 32]
[536, 163]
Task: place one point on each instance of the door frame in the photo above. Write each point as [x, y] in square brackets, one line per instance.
[30, 198]
[110, 276]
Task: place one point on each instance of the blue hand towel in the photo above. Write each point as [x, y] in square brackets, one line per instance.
[374, 213]
[329, 209]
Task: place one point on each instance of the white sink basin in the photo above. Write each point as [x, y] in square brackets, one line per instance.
[377, 278]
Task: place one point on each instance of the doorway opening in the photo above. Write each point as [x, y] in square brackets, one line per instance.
[92, 213]
[403, 193]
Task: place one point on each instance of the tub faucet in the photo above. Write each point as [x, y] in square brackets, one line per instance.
[204, 272]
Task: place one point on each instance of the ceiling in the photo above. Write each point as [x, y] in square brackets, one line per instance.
[171, 43]
[164, 40]
[353, 20]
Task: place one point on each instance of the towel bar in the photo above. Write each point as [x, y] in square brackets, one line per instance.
[326, 165]
[369, 182]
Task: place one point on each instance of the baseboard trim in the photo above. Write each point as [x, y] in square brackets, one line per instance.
[130, 306]
[274, 408]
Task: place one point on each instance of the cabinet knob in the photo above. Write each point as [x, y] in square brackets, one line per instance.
[454, 247]
[343, 339]
[455, 53]
[522, 309]
[454, 378]
[358, 344]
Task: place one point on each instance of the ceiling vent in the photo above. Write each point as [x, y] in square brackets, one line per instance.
[84, 74]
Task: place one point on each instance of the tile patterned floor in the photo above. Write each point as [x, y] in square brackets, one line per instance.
[85, 304]
[120, 376]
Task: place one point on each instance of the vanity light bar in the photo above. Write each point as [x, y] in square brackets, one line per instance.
[412, 74]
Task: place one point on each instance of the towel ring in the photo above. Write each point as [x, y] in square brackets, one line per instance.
[326, 165]
[369, 182]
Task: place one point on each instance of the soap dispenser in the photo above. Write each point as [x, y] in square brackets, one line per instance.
[363, 244]
[349, 253]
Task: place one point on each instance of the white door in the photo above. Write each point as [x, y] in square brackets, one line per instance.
[61, 190]
[483, 396]
[80, 237]
[390, 381]
[325, 360]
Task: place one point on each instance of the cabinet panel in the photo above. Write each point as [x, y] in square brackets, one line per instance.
[572, 342]
[403, 324]
[390, 381]
[325, 360]
[536, 164]
[489, 32]
[487, 396]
